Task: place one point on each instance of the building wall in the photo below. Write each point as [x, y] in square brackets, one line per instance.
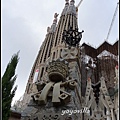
[14, 118]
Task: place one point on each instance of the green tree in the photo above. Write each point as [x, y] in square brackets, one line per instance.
[8, 81]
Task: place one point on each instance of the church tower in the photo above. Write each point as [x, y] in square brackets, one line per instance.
[54, 84]
[64, 86]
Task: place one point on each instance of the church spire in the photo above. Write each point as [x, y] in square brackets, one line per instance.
[69, 8]
[72, 8]
[65, 8]
[67, 2]
[53, 26]
[67, 19]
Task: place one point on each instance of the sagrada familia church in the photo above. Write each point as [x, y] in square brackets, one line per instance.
[70, 80]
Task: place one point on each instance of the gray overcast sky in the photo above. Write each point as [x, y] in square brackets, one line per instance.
[25, 22]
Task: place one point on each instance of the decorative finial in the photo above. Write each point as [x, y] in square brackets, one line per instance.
[67, 2]
[72, 1]
[72, 8]
[48, 29]
[55, 15]
[55, 18]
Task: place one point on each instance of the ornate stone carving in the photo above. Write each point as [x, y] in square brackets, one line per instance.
[48, 29]
[54, 89]
[69, 53]
[55, 86]
[59, 95]
[55, 18]
[58, 70]
[72, 37]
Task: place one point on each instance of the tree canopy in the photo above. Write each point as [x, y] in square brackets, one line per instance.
[8, 81]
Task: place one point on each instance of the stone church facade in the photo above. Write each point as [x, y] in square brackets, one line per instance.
[71, 81]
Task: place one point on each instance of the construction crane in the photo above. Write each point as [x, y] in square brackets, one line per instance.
[116, 9]
[78, 5]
